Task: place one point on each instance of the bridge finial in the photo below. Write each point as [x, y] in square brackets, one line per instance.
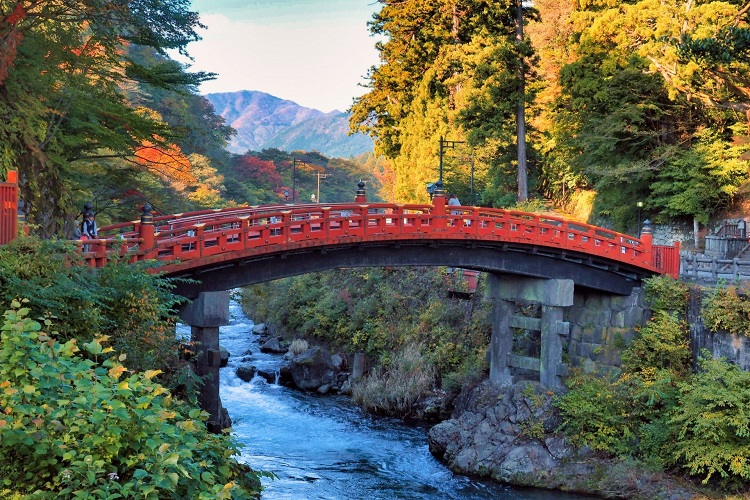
[147, 232]
[361, 196]
[146, 216]
[439, 189]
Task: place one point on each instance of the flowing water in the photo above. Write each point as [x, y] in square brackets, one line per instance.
[323, 447]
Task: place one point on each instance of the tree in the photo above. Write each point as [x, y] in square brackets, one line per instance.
[634, 109]
[432, 84]
[63, 103]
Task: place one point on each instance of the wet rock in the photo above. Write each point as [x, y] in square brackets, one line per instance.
[246, 372]
[269, 377]
[273, 346]
[223, 356]
[312, 369]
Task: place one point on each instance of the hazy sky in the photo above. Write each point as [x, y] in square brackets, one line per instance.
[312, 52]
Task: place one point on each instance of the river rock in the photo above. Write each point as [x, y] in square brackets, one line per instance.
[285, 376]
[312, 369]
[223, 356]
[270, 377]
[246, 372]
[260, 329]
[273, 346]
[505, 433]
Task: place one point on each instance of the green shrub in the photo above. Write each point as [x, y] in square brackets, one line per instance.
[87, 427]
[135, 308]
[665, 293]
[595, 414]
[713, 423]
[663, 343]
[728, 309]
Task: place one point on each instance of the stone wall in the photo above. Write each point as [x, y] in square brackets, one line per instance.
[668, 235]
[601, 326]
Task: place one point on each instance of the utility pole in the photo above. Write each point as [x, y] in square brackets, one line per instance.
[523, 183]
[443, 145]
[320, 176]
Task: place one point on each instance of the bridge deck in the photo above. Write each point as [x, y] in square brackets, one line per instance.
[196, 243]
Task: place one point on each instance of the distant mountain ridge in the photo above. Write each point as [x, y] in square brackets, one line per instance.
[264, 121]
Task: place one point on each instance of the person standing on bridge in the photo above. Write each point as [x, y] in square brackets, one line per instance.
[88, 227]
[89, 231]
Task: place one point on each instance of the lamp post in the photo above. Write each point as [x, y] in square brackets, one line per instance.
[320, 176]
[294, 178]
[639, 204]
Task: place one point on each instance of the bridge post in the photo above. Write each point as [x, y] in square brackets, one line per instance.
[438, 199]
[361, 196]
[147, 233]
[554, 295]
[204, 315]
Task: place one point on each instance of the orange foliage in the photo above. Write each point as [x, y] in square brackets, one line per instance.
[167, 162]
[261, 172]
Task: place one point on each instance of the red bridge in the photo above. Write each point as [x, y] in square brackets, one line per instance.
[232, 247]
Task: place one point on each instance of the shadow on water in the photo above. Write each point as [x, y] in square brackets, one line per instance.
[323, 447]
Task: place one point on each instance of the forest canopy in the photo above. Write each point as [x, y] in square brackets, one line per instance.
[634, 100]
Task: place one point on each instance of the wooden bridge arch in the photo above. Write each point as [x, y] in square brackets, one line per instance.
[232, 247]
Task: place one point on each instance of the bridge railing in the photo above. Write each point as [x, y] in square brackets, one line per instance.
[254, 230]
[9, 208]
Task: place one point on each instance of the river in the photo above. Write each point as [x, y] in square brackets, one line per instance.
[323, 447]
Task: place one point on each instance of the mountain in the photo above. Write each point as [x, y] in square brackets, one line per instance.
[263, 121]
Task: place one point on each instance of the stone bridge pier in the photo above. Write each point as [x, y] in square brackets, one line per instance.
[205, 315]
[509, 295]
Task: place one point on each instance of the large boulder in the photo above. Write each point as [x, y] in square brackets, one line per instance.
[508, 434]
[273, 346]
[246, 372]
[312, 369]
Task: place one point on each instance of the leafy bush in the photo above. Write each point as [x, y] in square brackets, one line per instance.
[595, 413]
[713, 423]
[135, 308]
[728, 309]
[665, 293]
[75, 426]
[663, 343]
[630, 417]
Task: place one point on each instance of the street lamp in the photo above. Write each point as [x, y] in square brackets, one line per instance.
[639, 204]
[320, 176]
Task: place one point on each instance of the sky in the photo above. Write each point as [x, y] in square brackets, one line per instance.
[313, 52]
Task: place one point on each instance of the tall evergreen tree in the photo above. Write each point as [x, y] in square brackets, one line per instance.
[450, 68]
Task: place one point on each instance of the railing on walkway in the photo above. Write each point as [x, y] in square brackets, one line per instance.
[9, 208]
[184, 241]
[701, 267]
